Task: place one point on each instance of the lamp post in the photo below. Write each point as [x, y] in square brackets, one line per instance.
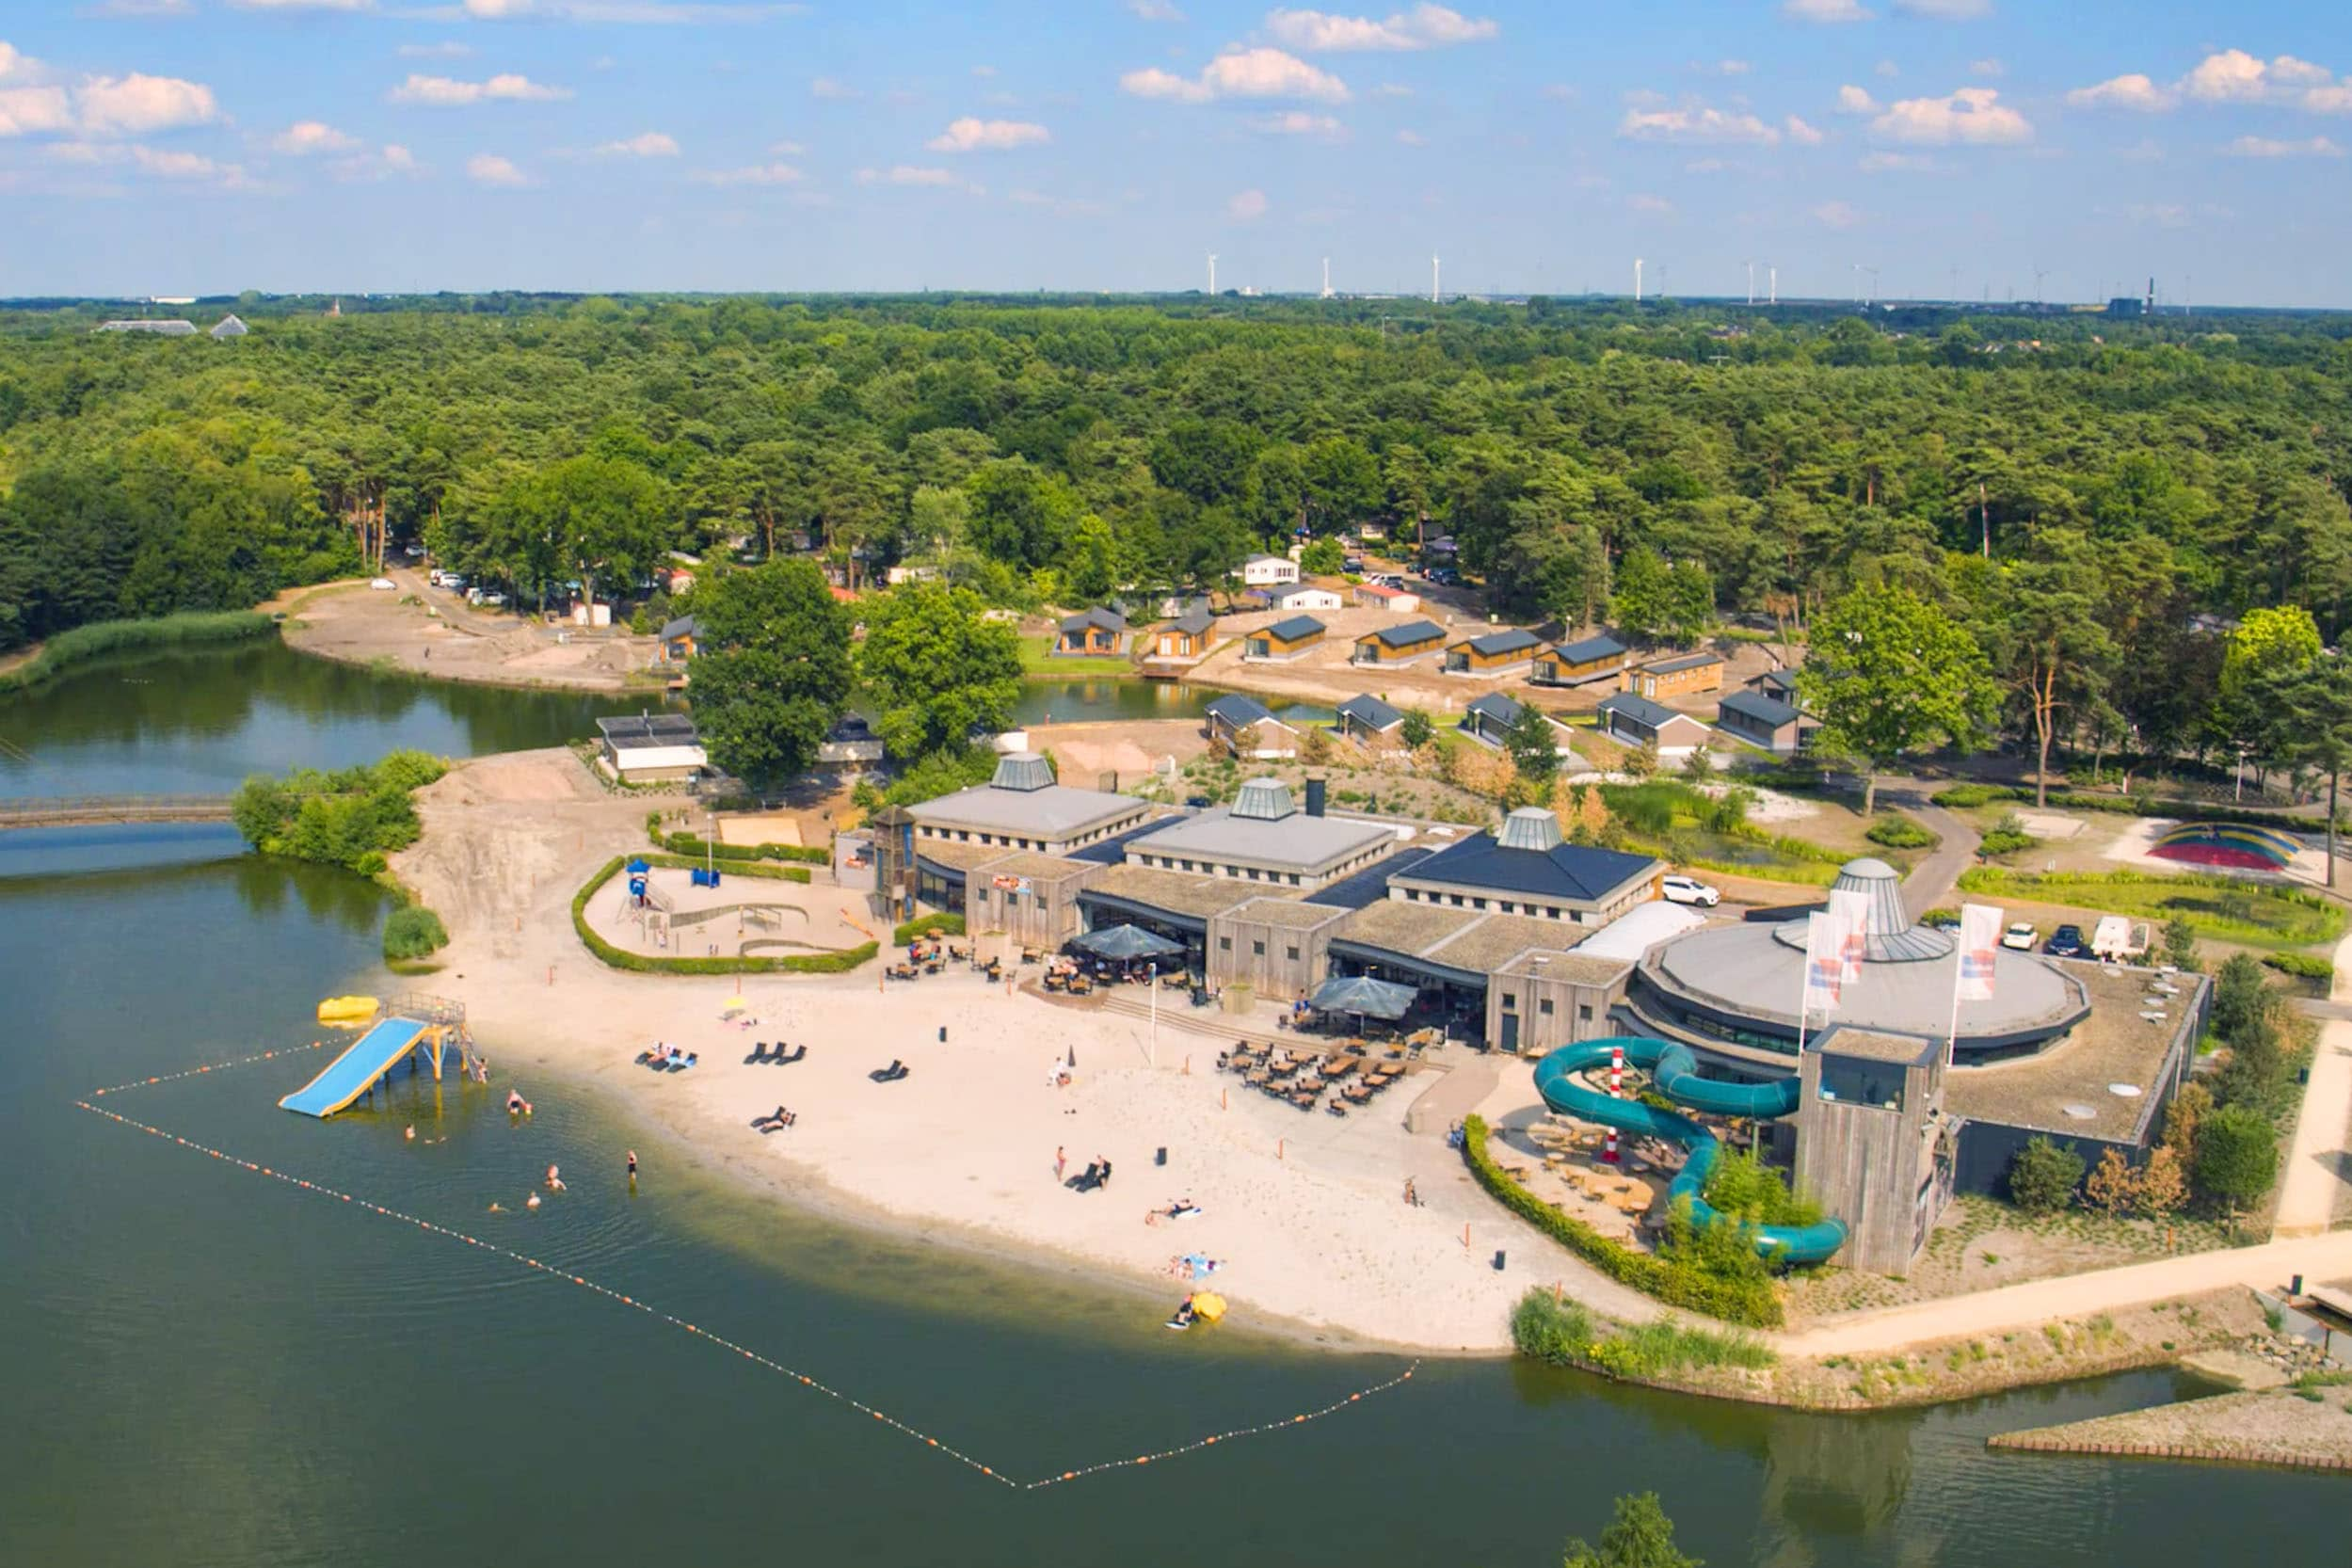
[1151, 1055]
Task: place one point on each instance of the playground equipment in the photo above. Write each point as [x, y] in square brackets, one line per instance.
[1674, 1073]
[416, 1029]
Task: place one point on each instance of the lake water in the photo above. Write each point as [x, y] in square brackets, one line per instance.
[1059, 701]
[207, 1367]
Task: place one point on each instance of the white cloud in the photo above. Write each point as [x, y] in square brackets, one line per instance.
[1261, 73]
[1300, 122]
[1825, 10]
[393, 159]
[1246, 206]
[625, 13]
[647, 144]
[302, 4]
[2300, 74]
[2263, 147]
[1696, 126]
[1947, 11]
[1722, 68]
[1887, 69]
[1425, 26]
[1801, 134]
[2231, 76]
[156, 163]
[969, 135]
[1412, 138]
[1973, 117]
[2330, 99]
[756, 174]
[488, 168]
[18, 67]
[786, 149]
[128, 106]
[445, 92]
[826, 88]
[144, 7]
[1854, 100]
[907, 174]
[449, 49]
[306, 136]
[1895, 163]
[1836, 214]
[31, 111]
[1152, 11]
[2134, 91]
[1988, 65]
[1393, 90]
[399, 159]
[1657, 207]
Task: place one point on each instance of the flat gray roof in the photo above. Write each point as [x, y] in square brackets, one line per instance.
[1287, 913]
[1055, 811]
[1175, 891]
[1295, 842]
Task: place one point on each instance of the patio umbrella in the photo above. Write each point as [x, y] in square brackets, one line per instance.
[638, 867]
[1126, 944]
[1364, 996]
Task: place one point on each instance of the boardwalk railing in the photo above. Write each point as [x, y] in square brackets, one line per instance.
[83, 811]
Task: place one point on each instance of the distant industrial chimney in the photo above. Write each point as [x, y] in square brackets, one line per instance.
[1315, 797]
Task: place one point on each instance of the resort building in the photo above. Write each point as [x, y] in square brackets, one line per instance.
[651, 748]
[1764, 722]
[680, 639]
[1268, 571]
[1405, 643]
[1780, 685]
[1031, 898]
[226, 328]
[1023, 808]
[1367, 718]
[1636, 720]
[1685, 675]
[1491, 719]
[1235, 715]
[1187, 636]
[1528, 869]
[2087, 1053]
[1380, 596]
[1496, 653]
[1265, 837]
[1308, 597]
[151, 328]
[1283, 641]
[1279, 946]
[1597, 658]
[1097, 632]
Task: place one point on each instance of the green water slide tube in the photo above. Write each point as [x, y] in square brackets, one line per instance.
[1674, 1073]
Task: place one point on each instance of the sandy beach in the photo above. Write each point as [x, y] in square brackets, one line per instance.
[1304, 1214]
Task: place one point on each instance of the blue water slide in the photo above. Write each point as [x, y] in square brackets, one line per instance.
[1675, 1072]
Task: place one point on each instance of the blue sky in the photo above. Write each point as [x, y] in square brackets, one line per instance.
[183, 146]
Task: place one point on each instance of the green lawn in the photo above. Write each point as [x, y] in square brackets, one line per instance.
[1038, 658]
[2225, 909]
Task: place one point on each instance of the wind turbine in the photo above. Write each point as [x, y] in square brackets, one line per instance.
[1870, 295]
[1326, 277]
[1432, 280]
[1751, 282]
[1774, 273]
[1636, 280]
[1212, 275]
[2039, 275]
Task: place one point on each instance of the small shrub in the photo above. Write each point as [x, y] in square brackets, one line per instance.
[1896, 831]
[2043, 1176]
[2237, 1157]
[412, 932]
[1960, 797]
[2302, 966]
[1546, 1328]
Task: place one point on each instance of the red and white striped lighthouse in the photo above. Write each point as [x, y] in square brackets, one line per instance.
[1616, 1092]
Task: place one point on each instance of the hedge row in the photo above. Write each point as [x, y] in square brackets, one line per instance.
[2303, 965]
[687, 843]
[809, 963]
[1961, 796]
[923, 925]
[1753, 1304]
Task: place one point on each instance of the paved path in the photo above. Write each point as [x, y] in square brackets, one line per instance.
[1931, 881]
[2318, 1166]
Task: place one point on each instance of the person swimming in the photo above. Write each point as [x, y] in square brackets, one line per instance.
[555, 1180]
[532, 1202]
[412, 1133]
[497, 1207]
[514, 1102]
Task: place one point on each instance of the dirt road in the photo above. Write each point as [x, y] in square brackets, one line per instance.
[433, 632]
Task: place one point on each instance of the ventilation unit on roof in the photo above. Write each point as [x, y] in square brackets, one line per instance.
[1023, 770]
[1530, 828]
[1263, 800]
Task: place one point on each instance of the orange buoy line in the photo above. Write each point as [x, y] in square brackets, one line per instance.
[802, 1379]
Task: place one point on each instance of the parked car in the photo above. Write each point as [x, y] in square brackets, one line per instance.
[1199, 802]
[383, 583]
[455, 582]
[494, 599]
[2021, 936]
[435, 576]
[2067, 942]
[1689, 889]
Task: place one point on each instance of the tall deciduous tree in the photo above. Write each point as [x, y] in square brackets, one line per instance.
[1890, 675]
[2307, 718]
[1642, 1536]
[936, 668]
[2047, 638]
[774, 675]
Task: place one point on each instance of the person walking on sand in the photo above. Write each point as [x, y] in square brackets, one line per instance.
[1061, 1162]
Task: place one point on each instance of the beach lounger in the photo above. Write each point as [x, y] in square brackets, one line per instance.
[784, 1059]
[760, 1054]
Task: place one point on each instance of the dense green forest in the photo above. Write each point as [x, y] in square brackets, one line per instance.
[1593, 462]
